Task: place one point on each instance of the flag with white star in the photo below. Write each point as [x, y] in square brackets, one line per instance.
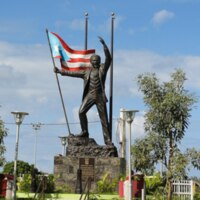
[70, 59]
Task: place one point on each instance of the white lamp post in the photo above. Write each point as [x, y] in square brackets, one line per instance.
[36, 127]
[63, 142]
[129, 116]
[19, 116]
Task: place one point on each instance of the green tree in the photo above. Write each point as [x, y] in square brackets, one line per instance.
[148, 151]
[194, 157]
[3, 134]
[169, 106]
[22, 168]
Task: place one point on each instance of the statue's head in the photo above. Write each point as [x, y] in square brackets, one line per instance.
[95, 60]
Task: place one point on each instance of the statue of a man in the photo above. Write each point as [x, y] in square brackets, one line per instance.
[94, 91]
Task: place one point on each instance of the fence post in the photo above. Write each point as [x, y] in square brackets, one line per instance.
[192, 191]
[143, 192]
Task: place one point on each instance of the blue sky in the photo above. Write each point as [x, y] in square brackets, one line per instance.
[150, 36]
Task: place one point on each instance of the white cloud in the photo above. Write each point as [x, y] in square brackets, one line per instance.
[30, 76]
[28, 84]
[162, 16]
[129, 64]
[138, 125]
[10, 77]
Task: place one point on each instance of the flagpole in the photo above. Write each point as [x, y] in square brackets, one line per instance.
[111, 74]
[86, 30]
[59, 88]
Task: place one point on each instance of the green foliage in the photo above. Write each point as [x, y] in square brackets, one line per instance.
[45, 183]
[24, 183]
[195, 178]
[24, 172]
[94, 197]
[197, 196]
[50, 186]
[22, 168]
[107, 184]
[194, 157]
[3, 134]
[154, 184]
[180, 162]
[146, 152]
[122, 177]
[169, 106]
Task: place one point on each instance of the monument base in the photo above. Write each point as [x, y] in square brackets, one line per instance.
[84, 160]
[66, 168]
[80, 146]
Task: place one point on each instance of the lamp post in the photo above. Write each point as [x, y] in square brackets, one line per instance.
[19, 116]
[129, 116]
[36, 127]
[63, 142]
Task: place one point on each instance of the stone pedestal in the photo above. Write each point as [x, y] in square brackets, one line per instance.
[65, 170]
[79, 147]
[92, 159]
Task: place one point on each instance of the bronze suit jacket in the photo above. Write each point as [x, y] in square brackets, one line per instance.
[85, 74]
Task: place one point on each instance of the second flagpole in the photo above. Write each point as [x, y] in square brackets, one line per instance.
[86, 30]
[111, 74]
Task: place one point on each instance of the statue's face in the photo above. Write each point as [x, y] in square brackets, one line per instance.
[95, 61]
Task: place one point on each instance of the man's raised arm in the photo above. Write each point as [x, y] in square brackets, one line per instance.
[108, 58]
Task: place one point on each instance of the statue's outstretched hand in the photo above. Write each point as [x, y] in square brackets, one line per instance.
[101, 40]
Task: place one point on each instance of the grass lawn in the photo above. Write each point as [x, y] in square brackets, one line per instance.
[67, 196]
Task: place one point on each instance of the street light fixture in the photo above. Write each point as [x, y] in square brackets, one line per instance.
[63, 142]
[19, 116]
[129, 116]
[36, 127]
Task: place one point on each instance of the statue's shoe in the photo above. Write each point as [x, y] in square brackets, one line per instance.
[108, 142]
[83, 134]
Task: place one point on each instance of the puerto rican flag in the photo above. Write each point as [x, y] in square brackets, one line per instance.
[70, 59]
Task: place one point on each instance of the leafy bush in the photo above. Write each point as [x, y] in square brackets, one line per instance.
[50, 184]
[43, 182]
[154, 184]
[107, 184]
[197, 196]
[24, 183]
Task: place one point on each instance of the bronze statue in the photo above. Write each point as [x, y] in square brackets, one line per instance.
[94, 91]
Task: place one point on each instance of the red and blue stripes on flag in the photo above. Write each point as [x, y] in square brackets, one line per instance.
[70, 59]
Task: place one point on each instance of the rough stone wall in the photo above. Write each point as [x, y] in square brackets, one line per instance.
[65, 170]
